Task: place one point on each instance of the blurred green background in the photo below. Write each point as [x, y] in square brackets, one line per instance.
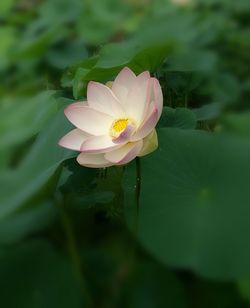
[67, 233]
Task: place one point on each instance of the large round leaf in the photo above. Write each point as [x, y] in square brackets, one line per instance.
[195, 202]
[38, 172]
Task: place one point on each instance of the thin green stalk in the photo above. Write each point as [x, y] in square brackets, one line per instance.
[137, 193]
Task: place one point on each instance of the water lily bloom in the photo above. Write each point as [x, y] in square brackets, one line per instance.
[117, 121]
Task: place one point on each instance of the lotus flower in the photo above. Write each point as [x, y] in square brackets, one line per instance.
[117, 122]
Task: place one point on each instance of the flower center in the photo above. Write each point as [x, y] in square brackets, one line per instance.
[120, 125]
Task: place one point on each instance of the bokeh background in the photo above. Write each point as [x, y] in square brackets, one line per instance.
[71, 236]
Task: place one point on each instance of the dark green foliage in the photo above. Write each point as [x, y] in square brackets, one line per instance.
[68, 234]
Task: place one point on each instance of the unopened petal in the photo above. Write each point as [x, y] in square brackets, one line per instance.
[73, 140]
[89, 120]
[93, 160]
[124, 154]
[150, 144]
[101, 98]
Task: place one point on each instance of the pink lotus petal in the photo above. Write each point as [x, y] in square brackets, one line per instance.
[98, 144]
[124, 135]
[93, 160]
[138, 100]
[143, 77]
[158, 97]
[79, 104]
[73, 140]
[153, 113]
[123, 83]
[124, 154]
[148, 125]
[101, 98]
[89, 120]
